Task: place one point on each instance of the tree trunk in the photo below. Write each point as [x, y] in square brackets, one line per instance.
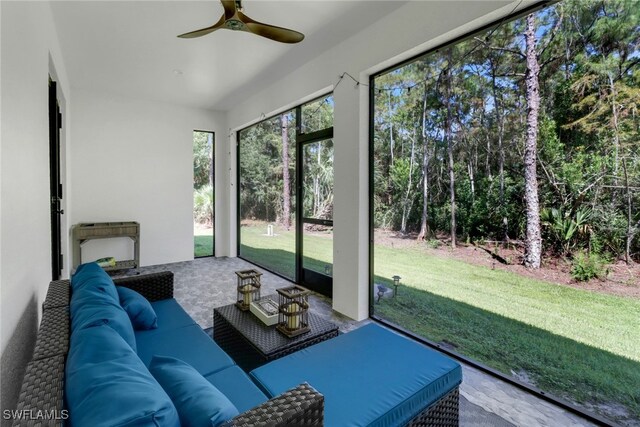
[533, 240]
[500, 125]
[448, 136]
[424, 226]
[211, 156]
[286, 184]
[627, 252]
[406, 203]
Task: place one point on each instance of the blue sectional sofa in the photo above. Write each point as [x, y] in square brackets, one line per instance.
[84, 374]
[368, 377]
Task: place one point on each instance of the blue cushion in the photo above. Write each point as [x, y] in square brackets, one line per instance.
[94, 308]
[369, 377]
[91, 275]
[106, 384]
[189, 343]
[138, 309]
[238, 387]
[171, 315]
[199, 403]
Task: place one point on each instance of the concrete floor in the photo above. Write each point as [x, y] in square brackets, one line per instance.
[205, 283]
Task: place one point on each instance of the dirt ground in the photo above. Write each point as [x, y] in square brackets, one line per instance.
[622, 279]
[202, 229]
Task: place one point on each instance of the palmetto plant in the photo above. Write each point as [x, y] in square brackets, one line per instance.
[203, 202]
[566, 230]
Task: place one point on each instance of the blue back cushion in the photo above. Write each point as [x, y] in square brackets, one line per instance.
[106, 384]
[138, 308]
[199, 403]
[92, 302]
[92, 276]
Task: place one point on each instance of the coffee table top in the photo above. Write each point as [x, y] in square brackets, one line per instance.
[266, 338]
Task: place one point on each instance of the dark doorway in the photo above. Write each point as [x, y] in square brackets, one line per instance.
[55, 124]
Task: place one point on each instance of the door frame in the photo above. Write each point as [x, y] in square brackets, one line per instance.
[310, 279]
[55, 182]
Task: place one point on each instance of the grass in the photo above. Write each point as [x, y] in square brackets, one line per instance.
[203, 245]
[576, 344]
[277, 252]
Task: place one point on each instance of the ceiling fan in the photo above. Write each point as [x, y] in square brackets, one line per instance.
[234, 19]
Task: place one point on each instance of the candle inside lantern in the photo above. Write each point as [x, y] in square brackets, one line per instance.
[246, 296]
[293, 322]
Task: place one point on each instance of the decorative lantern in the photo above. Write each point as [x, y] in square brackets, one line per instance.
[293, 316]
[248, 288]
[396, 282]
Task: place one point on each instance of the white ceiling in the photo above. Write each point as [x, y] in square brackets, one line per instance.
[130, 47]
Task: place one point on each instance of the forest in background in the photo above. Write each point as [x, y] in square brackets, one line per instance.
[527, 133]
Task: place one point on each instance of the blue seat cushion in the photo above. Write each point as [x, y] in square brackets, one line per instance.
[92, 276]
[106, 384]
[198, 402]
[189, 343]
[369, 377]
[238, 387]
[171, 315]
[138, 309]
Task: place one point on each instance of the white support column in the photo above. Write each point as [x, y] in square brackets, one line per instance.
[351, 200]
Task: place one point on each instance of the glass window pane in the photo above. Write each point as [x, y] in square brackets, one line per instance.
[317, 115]
[267, 194]
[318, 180]
[318, 249]
[469, 185]
[203, 194]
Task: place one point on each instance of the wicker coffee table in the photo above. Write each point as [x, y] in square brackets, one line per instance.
[251, 343]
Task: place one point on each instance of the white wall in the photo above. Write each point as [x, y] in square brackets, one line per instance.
[29, 53]
[132, 160]
[412, 28]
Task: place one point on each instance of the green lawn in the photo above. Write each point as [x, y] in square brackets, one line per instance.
[202, 246]
[576, 344]
[277, 252]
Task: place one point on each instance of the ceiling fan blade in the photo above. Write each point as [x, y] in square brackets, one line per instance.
[279, 34]
[204, 31]
[229, 8]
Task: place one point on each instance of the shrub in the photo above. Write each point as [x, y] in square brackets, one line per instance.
[204, 201]
[585, 267]
[433, 243]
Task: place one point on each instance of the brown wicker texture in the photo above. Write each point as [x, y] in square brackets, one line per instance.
[252, 344]
[300, 406]
[445, 412]
[154, 286]
[58, 294]
[53, 335]
[41, 391]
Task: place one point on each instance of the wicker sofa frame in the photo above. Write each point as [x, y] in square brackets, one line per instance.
[42, 392]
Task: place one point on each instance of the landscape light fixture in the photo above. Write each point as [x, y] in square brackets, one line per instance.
[396, 282]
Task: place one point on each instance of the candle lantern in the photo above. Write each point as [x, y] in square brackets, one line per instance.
[293, 312]
[396, 282]
[248, 288]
